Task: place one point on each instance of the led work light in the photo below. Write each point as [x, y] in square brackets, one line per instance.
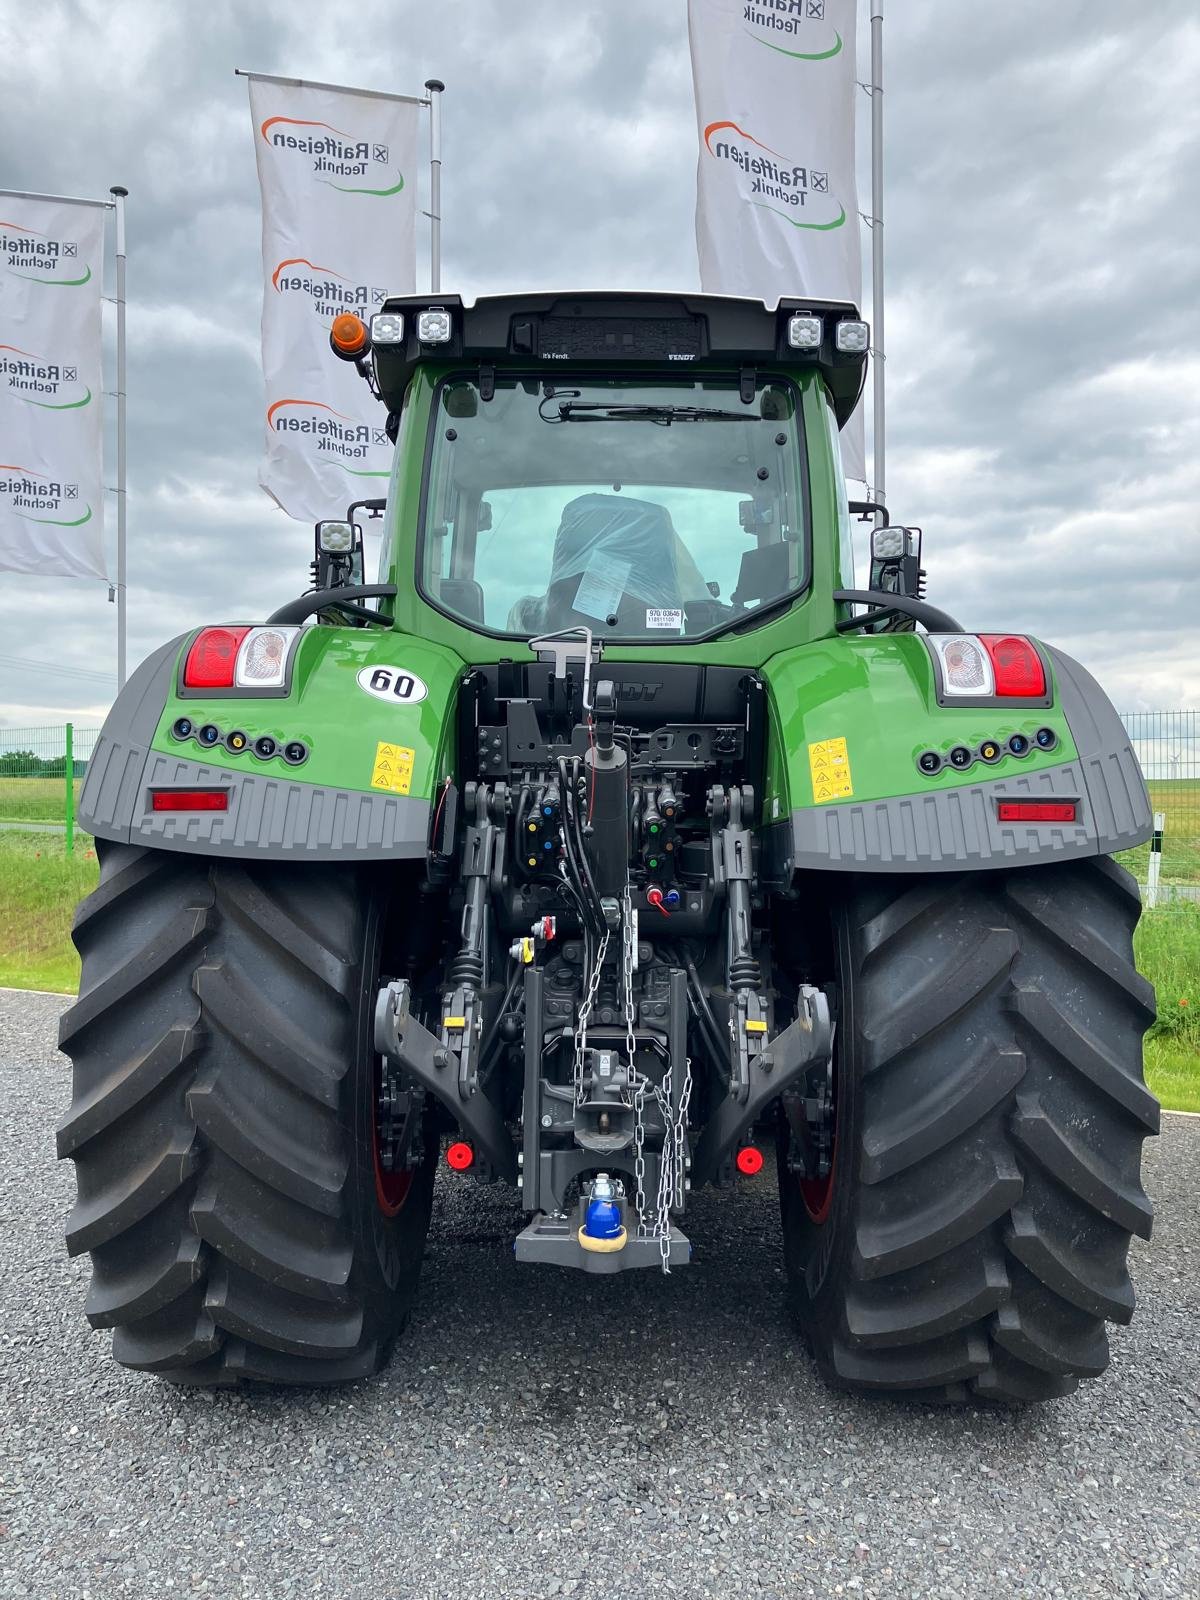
[387, 327]
[804, 333]
[433, 326]
[852, 338]
[889, 544]
[335, 538]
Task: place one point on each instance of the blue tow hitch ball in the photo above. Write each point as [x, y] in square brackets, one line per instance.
[602, 1219]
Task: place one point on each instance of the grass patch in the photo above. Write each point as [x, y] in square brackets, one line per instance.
[35, 799]
[1173, 1076]
[40, 886]
[1179, 801]
[1167, 945]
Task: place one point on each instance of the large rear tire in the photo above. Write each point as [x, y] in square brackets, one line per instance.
[222, 1122]
[990, 1112]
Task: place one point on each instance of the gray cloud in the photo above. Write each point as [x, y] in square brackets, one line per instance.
[1043, 275]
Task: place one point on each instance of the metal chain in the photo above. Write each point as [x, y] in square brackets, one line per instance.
[629, 956]
[672, 1158]
[639, 1155]
[585, 1012]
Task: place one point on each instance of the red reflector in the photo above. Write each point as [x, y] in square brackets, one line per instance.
[1037, 810]
[749, 1160]
[189, 799]
[212, 658]
[1016, 664]
[460, 1156]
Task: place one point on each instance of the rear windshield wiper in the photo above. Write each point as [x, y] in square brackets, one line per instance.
[663, 415]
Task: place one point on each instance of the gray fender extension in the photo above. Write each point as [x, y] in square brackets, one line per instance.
[270, 817]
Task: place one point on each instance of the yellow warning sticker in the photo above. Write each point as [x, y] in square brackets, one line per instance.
[393, 768]
[829, 764]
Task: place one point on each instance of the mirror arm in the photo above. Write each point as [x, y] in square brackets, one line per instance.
[930, 617]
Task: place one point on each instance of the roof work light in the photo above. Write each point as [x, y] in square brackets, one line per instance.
[433, 325]
[805, 333]
[387, 327]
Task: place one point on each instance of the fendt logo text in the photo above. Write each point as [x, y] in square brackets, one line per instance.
[49, 384]
[40, 259]
[333, 432]
[797, 22]
[28, 491]
[333, 154]
[770, 180]
[329, 291]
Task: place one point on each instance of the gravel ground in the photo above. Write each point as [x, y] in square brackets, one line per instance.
[676, 1441]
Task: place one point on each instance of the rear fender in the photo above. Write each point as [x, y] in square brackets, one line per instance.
[850, 719]
[364, 790]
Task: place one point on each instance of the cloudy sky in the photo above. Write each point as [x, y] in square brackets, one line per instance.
[1043, 167]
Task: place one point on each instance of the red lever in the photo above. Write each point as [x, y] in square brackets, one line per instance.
[654, 897]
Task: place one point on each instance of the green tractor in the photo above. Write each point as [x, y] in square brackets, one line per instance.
[612, 843]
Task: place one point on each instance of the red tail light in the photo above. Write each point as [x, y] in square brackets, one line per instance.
[1016, 665]
[189, 800]
[749, 1160]
[1037, 810]
[212, 658]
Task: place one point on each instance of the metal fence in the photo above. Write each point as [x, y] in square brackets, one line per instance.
[35, 793]
[41, 770]
[1167, 744]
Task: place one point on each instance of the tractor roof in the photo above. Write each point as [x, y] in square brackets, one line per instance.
[619, 331]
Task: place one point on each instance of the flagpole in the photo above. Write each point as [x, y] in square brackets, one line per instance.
[436, 88]
[118, 193]
[878, 415]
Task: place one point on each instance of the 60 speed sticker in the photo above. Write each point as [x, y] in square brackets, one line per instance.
[393, 684]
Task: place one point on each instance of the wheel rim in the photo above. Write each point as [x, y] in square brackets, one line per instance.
[817, 1193]
[391, 1188]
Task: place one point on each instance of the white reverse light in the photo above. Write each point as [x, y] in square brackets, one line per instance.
[805, 333]
[966, 668]
[262, 658]
[387, 327]
[433, 326]
[852, 338]
[335, 538]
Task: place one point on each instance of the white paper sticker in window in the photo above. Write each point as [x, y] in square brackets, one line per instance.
[601, 587]
[665, 619]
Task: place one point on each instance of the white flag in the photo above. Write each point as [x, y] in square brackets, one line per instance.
[337, 170]
[51, 391]
[776, 202]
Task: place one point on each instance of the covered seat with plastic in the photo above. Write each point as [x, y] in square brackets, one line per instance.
[612, 555]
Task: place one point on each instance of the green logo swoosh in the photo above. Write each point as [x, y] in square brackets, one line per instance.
[343, 188]
[59, 522]
[800, 55]
[816, 227]
[53, 283]
[358, 472]
[69, 405]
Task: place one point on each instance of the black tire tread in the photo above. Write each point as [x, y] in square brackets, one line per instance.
[997, 1031]
[213, 1119]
